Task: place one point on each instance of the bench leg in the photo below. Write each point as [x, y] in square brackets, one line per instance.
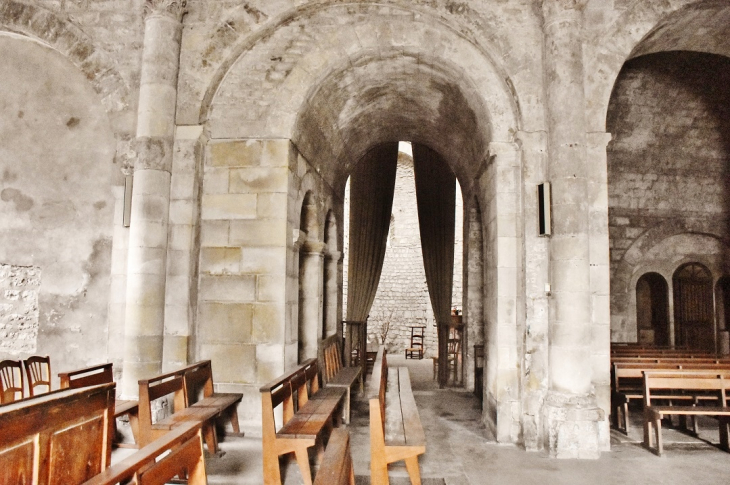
[625, 416]
[658, 432]
[134, 424]
[413, 470]
[724, 429]
[303, 461]
[210, 436]
[234, 420]
[346, 408]
[648, 432]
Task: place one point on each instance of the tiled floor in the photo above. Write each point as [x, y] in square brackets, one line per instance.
[459, 450]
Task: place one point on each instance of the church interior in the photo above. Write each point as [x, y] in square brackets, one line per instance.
[247, 230]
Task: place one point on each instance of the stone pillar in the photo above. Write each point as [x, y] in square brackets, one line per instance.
[571, 413]
[144, 316]
[331, 263]
[473, 287]
[310, 298]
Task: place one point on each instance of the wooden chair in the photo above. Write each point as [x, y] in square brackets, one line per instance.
[11, 381]
[38, 370]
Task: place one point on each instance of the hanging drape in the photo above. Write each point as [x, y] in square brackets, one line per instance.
[371, 201]
[436, 198]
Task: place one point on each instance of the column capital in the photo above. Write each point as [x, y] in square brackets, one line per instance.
[168, 8]
[555, 11]
[333, 255]
[314, 248]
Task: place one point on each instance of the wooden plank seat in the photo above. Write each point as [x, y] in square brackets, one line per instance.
[200, 392]
[657, 382]
[627, 385]
[167, 385]
[308, 416]
[60, 437]
[335, 375]
[336, 467]
[396, 432]
[101, 374]
[177, 453]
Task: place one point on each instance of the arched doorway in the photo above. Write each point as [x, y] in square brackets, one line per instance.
[693, 313]
[652, 309]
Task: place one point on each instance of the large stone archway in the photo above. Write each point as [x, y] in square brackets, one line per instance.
[335, 93]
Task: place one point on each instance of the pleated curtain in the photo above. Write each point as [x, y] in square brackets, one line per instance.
[436, 198]
[371, 202]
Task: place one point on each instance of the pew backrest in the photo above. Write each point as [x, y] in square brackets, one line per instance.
[88, 376]
[692, 381]
[60, 437]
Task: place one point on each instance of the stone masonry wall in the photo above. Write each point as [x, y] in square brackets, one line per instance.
[18, 308]
[402, 299]
[667, 164]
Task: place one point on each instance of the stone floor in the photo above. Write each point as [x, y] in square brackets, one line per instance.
[461, 452]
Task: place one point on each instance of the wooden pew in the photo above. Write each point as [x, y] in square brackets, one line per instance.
[334, 375]
[693, 382]
[64, 436]
[199, 392]
[336, 467]
[627, 384]
[396, 432]
[309, 413]
[163, 386]
[101, 374]
[153, 466]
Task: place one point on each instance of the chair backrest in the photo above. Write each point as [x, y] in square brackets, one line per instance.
[11, 381]
[38, 370]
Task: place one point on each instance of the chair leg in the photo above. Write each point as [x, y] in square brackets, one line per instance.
[413, 470]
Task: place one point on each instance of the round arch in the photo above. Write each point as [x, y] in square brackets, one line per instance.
[61, 35]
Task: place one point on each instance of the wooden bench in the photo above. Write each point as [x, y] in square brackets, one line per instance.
[172, 385]
[336, 467]
[177, 453]
[64, 436]
[199, 392]
[309, 414]
[656, 383]
[396, 432]
[334, 375]
[627, 385]
[102, 374]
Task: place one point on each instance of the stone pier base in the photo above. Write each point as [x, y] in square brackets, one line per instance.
[573, 425]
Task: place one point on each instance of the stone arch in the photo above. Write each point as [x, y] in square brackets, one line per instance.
[61, 35]
[633, 264]
[646, 27]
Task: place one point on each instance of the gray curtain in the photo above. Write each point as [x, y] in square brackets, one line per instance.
[371, 202]
[436, 198]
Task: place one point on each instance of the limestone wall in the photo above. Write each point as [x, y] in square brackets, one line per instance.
[56, 208]
[668, 166]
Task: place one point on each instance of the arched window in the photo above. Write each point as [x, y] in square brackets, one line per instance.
[652, 309]
[693, 314]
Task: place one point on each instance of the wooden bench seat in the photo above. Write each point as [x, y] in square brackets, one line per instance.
[692, 382]
[627, 385]
[177, 453]
[64, 436]
[200, 392]
[336, 467]
[335, 375]
[101, 374]
[163, 386]
[396, 432]
[308, 412]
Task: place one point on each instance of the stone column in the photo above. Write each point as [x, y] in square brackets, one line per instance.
[310, 298]
[571, 413]
[144, 316]
[331, 262]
